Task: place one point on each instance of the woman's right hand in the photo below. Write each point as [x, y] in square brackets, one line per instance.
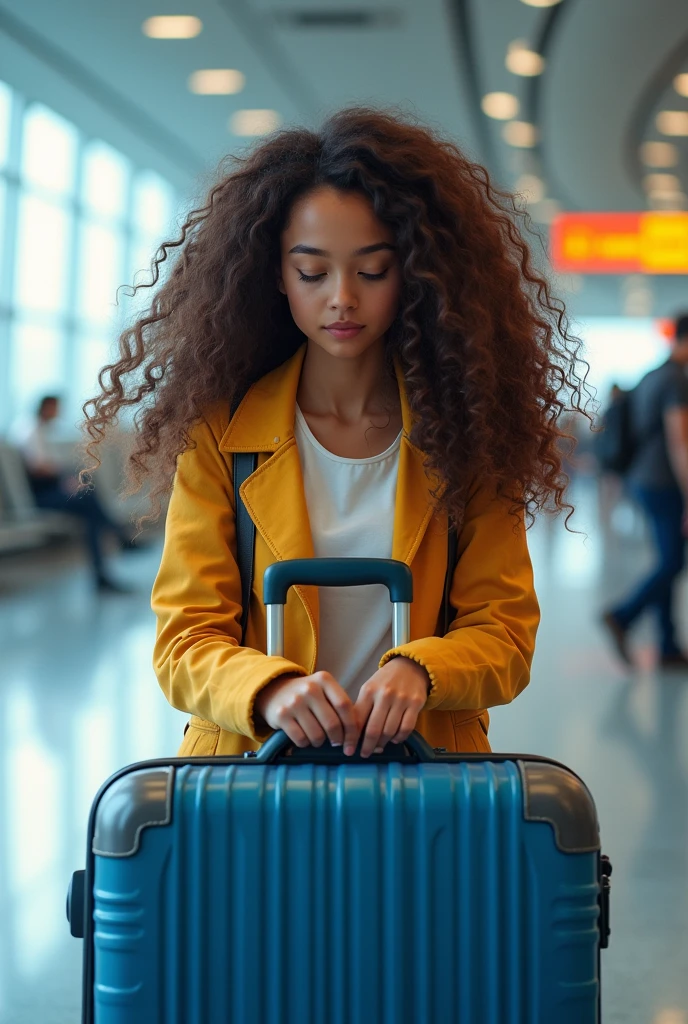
[310, 709]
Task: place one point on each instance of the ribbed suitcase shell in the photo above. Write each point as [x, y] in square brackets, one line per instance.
[345, 894]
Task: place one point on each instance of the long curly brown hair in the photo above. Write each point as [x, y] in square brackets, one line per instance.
[488, 358]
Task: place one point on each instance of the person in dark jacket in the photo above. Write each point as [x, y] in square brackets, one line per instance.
[658, 480]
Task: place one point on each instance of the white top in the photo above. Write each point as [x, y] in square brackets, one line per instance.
[351, 511]
[41, 449]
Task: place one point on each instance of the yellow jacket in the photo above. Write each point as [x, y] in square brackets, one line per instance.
[483, 661]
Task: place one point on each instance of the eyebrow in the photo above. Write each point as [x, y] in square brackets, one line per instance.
[309, 250]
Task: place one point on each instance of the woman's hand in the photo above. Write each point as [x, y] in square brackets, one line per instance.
[390, 703]
[309, 709]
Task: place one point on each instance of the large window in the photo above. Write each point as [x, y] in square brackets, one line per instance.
[621, 350]
[77, 221]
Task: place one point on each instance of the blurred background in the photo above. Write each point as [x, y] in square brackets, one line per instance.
[112, 120]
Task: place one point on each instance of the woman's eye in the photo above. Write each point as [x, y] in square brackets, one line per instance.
[317, 277]
[374, 277]
[309, 277]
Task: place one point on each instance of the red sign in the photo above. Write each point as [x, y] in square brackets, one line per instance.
[620, 243]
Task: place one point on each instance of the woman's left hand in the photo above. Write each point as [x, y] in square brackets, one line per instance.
[390, 702]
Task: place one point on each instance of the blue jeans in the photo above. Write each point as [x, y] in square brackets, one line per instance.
[86, 506]
[664, 510]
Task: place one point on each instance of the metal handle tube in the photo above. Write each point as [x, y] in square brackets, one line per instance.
[401, 623]
[337, 572]
[401, 626]
[275, 621]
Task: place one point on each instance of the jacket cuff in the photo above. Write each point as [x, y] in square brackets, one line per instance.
[243, 720]
[411, 652]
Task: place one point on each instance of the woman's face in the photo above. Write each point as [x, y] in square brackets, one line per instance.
[339, 266]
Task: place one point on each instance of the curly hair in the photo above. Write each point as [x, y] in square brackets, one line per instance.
[487, 355]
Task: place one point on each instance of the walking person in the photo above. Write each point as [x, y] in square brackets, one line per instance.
[366, 296]
[658, 480]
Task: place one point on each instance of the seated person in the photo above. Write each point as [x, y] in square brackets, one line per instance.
[55, 487]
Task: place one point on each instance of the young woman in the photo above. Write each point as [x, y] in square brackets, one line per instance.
[402, 366]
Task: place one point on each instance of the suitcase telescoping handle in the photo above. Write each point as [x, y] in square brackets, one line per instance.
[337, 572]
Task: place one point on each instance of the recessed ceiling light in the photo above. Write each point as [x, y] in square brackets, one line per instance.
[521, 60]
[541, 3]
[670, 1015]
[520, 133]
[254, 122]
[662, 183]
[216, 82]
[172, 26]
[681, 85]
[531, 187]
[673, 122]
[659, 154]
[502, 105]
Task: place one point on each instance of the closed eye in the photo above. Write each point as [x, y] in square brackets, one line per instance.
[309, 277]
[368, 277]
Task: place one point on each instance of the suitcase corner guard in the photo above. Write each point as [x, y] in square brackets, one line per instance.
[553, 794]
[133, 802]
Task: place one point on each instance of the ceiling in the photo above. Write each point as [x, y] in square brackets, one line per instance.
[609, 69]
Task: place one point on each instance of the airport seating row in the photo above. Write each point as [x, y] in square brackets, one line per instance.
[23, 525]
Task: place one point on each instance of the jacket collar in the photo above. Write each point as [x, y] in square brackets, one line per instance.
[265, 418]
[264, 422]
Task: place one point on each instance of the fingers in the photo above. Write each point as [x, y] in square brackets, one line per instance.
[383, 724]
[312, 708]
[295, 732]
[321, 708]
[315, 734]
[362, 710]
[408, 724]
[347, 729]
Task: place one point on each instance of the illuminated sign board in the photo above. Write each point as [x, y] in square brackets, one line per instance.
[620, 243]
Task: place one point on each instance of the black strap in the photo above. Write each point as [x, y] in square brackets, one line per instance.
[447, 610]
[244, 463]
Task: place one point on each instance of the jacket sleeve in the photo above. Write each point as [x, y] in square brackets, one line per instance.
[196, 597]
[485, 658]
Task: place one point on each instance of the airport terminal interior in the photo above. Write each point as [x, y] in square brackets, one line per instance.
[112, 121]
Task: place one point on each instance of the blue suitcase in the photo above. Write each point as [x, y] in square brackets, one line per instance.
[301, 887]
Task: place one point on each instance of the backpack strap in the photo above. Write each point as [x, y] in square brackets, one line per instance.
[243, 465]
[447, 610]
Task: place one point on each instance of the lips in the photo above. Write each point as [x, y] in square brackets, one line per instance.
[344, 329]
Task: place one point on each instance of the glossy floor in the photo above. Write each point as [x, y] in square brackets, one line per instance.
[78, 699]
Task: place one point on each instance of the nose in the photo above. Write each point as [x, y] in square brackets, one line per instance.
[343, 297]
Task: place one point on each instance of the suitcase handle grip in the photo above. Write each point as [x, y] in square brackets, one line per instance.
[337, 572]
[279, 743]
